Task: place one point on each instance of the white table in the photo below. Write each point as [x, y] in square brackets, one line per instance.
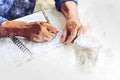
[59, 63]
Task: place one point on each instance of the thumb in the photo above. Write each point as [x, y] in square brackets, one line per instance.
[64, 35]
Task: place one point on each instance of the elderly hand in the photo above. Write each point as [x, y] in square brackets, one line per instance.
[71, 31]
[34, 31]
[46, 32]
[73, 27]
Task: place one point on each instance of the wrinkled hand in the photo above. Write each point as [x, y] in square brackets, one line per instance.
[71, 31]
[46, 32]
[34, 31]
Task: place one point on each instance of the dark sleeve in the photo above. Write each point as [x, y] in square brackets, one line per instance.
[58, 3]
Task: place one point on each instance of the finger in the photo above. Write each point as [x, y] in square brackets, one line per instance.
[49, 36]
[37, 38]
[51, 28]
[72, 36]
[43, 36]
[81, 30]
[64, 35]
[46, 35]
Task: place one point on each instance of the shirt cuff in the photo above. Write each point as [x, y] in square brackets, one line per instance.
[2, 19]
[58, 3]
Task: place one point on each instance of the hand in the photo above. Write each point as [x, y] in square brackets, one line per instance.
[73, 27]
[46, 32]
[71, 31]
[34, 31]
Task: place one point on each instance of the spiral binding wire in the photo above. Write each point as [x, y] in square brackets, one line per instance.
[21, 46]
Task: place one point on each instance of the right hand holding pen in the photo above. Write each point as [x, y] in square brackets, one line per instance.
[33, 31]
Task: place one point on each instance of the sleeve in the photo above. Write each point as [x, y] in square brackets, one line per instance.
[2, 19]
[5, 6]
[58, 3]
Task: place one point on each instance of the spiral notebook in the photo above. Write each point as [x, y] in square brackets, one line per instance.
[17, 50]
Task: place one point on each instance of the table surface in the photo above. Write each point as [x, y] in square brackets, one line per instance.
[60, 63]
